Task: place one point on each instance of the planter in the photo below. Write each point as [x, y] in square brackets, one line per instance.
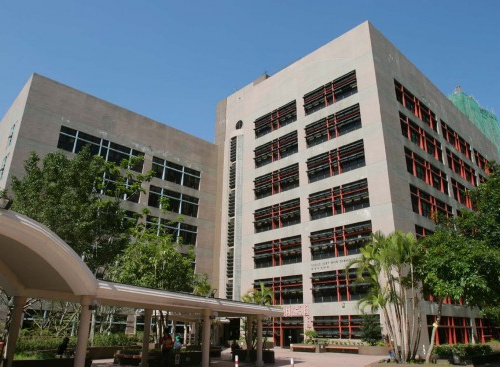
[267, 355]
[185, 358]
[369, 350]
[107, 352]
[53, 362]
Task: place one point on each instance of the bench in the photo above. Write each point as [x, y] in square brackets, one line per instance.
[302, 348]
[342, 349]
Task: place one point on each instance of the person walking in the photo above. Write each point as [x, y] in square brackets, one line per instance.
[166, 347]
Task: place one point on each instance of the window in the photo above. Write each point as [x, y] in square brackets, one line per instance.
[331, 92]
[74, 141]
[276, 149]
[336, 161]
[481, 162]
[340, 241]
[337, 286]
[333, 126]
[456, 140]
[416, 106]
[176, 202]
[425, 171]
[276, 119]
[176, 173]
[181, 232]
[427, 205]
[278, 252]
[452, 330]
[338, 200]
[11, 134]
[110, 189]
[239, 125]
[277, 216]
[458, 166]
[460, 193]
[286, 290]
[278, 181]
[422, 231]
[419, 136]
[4, 163]
[339, 326]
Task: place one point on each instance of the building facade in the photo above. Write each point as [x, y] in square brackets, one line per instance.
[47, 116]
[349, 140]
[306, 165]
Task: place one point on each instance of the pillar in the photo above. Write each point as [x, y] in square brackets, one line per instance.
[185, 332]
[145, 338]
[83, 331]
[259, 362]
[15, 325]
[205, 348]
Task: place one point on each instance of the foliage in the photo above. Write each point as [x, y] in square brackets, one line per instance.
[65, 194]
[371, 331]
[310, 335]
[385, 267]
[27, 343]
[462, 350]
[155, 261]
[260, 296]
[201, 285]
[115, 339]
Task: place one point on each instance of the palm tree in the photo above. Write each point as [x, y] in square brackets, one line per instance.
[386, 265]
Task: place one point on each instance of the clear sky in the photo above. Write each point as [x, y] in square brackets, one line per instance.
[173, 61]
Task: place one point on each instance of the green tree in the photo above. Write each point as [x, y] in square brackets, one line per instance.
[453, 266]
[386, 265]
[371, 331]
[66, 195]
[260, 296]
[155, 261]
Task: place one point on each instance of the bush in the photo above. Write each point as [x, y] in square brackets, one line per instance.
[33, 343]
[462, 350]
[113, 340]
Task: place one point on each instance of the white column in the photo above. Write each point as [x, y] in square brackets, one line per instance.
[145, 338]
[259, 361]
[174, 323]
[83, 332]
[185, 332]
[15, 325]
[205, 348]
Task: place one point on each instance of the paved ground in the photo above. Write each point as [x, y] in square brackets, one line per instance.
[283, 358]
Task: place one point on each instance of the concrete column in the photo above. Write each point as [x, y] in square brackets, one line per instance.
[185, 332]
[145, 338]
[83, 331]
[15, 325]
[196, 328]
[172, 331]
[259, 361]
[205, 348]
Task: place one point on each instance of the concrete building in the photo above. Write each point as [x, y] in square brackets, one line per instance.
[47, 116]
[349, 140]
[307, 163]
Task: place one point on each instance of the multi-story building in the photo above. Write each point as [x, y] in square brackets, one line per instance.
[349, 140]
[308, 163]
[47, 116]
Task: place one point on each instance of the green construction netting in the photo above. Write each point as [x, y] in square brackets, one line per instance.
[485, 120]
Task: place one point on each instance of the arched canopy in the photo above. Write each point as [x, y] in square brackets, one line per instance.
[35, 262]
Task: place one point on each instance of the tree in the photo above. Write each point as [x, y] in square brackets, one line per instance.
[79, 199]
[371, 331]
[453, 266]
[155, 261]
[386, 266]
[260, 296]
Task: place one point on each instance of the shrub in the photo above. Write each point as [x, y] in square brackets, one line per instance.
[33, 343]
[113, 340]
[462, 350]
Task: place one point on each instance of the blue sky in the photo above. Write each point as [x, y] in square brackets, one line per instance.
[174, 60]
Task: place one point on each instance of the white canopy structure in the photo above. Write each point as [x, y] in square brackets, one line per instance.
[36, 263]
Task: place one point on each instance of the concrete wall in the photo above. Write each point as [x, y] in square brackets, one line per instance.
[50, 105]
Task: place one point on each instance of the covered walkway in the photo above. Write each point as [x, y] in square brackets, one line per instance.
[36, 263]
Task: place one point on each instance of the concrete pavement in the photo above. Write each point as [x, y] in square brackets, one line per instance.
[283, 358]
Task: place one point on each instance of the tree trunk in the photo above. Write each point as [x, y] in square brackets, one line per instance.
[434, 330]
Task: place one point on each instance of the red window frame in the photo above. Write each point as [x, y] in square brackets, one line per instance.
[456, 140]
[419, 136]
[276, 119]
[458, 166]
[276, 216]
[460, 195]
[427, 205]
[430, 174]
[278, 251]
[416, 106]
